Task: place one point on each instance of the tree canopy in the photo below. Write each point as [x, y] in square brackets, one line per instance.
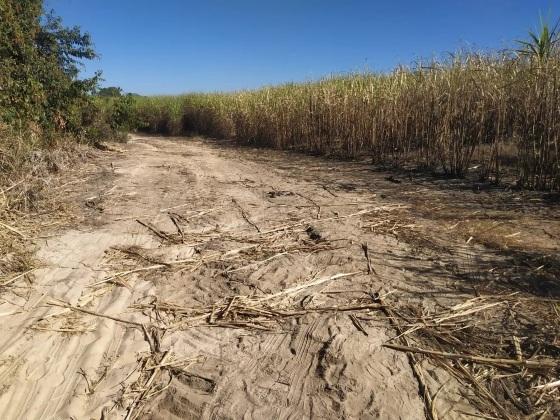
[40, 60]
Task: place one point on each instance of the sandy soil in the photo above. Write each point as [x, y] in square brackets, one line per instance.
[219, 223]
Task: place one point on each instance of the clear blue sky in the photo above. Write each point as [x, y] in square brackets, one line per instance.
[174, 46]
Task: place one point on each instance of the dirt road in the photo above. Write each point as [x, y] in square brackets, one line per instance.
[205, 281]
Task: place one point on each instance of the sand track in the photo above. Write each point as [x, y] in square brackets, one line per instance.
[57, 363]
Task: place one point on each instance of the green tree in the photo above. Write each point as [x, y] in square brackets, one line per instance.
[20, 92]
[66, 47]
[40, 61]
[110, 92]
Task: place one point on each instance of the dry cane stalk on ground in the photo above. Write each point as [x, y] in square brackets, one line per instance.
[463, 338]
[268, 312]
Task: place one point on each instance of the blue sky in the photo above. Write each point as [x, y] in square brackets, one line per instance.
[175, 46]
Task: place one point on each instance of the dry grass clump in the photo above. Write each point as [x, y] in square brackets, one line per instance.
[27, 169]
[439, 115]
[491, 344]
